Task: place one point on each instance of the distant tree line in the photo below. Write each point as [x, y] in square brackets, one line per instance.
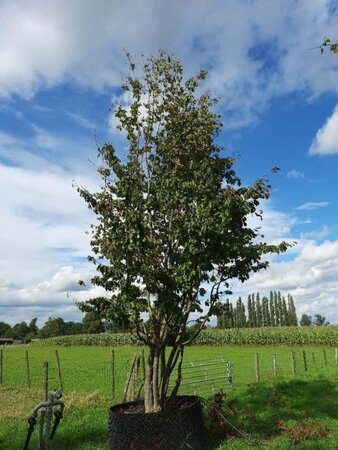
[275, 311]
[56, 326]
[318, 320]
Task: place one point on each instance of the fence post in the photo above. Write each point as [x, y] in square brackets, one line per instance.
[113, 373]
[293, 363]
[1, 365]
[229, 375]
[324, 353]
[304, 360]
[129, 376]
[28, 378]
[274, 365]
[336, 355]
[45, 379]
[257, 367]
[313, 358]
[59, 369]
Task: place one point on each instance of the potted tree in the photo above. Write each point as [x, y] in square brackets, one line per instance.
[171, 232]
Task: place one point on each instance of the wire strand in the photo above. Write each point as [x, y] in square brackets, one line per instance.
[245, 436]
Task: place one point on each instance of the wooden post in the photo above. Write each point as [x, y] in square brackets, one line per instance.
[45, 379]
[257, 367]
[113, 373]
[274, 366]
[1, 366]
[324, 353]
[28, 378]
[130, 374]
[58, 365]
[336, 355]
[304, 360]
[313, 358]
[293, 363]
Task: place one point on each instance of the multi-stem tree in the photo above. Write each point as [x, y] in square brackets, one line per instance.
[171, 217]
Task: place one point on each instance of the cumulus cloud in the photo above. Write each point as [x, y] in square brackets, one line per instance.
[326, 140]
[312, 278]
[255, 50]
[54, 297]
[312, 205]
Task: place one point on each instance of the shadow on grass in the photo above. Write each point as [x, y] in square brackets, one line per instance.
[266, 411]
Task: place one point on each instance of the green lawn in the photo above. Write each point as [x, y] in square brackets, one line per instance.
[282, 412]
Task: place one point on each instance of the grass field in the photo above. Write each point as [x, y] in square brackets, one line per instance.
[284, 412]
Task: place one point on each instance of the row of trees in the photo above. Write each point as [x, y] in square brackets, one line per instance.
[275, 311]
[54, 326]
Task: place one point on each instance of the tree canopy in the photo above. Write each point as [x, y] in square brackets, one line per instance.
[172, 215]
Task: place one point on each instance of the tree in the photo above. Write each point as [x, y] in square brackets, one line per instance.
[272, 310]
[259, 314]
[20, 330]
[5, 329]
[305, 320]
[53, 327]
[33, 329]
[319, 320]
[292, 311]
[113, 319]
[92, 323]
[171, 217]
[266, 313]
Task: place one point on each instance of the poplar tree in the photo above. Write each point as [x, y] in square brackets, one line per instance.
[258, 311]
[250, 314]
[292, 311]
[285, 320]
[266, 313]
[272, 310]
[275, 304]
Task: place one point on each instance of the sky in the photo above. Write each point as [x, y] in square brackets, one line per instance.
[62, 63]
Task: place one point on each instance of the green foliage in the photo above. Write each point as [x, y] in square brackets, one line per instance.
[210, 336]
[270, 336]
[306, 320]
[101, 339]
[172, 216]
[319, 320]
[172, 213]
[5, 328]
[261, 313]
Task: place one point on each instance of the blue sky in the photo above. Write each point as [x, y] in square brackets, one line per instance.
[62, 63]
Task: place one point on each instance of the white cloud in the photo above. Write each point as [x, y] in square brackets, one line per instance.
[82, 121]
[256, 50]
[317, 235]
[312, 278]
[43, 223]
[326, 140]
[313, 205]
[295, 174]
[52, 298]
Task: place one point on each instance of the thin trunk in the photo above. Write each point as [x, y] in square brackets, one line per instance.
[148, 392]
[155, 383]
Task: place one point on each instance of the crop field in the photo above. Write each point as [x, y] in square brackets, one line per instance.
[291, 406]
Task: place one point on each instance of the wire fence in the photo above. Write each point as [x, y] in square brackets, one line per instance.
[106, 376]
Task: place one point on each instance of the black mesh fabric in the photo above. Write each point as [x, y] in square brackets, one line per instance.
[181, 427]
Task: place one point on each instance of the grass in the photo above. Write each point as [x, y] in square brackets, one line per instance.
[285, 412]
